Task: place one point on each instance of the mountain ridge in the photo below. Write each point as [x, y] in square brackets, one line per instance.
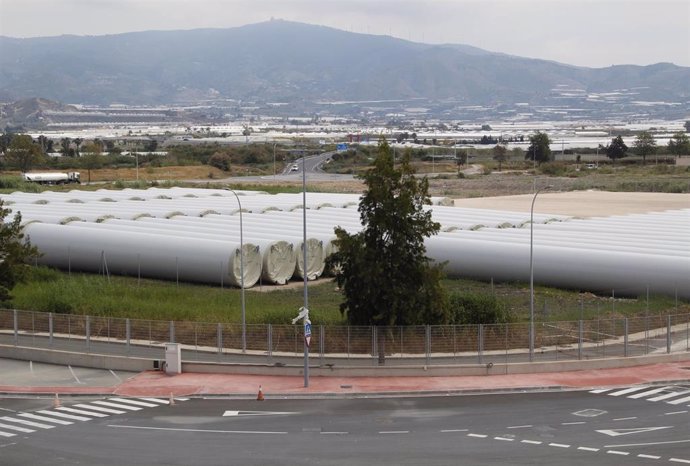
[285, 61]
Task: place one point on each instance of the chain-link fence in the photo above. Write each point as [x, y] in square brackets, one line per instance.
[350, 345]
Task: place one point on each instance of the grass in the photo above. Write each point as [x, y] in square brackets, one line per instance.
[125, 297]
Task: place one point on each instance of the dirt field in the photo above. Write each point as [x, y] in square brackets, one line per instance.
[584, 203]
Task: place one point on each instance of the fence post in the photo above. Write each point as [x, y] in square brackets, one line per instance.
[374, 345]
[480, 341]
[219, 337]
[16, 328]
[270, 343]
[322, 341]
[50, 328]
[128, 333]
[580, 335]
[625, 338]
[88, 333]
[172, 331]
[427, 338]
[668, 334]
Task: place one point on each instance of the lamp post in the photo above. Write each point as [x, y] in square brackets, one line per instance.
[304, 266]
[531, 273]
[244, 322]
[274, 161]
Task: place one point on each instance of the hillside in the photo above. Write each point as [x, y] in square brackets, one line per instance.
[282, 61]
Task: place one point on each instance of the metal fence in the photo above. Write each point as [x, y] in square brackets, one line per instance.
[350, 345]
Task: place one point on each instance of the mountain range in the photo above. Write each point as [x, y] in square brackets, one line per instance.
[282, 61]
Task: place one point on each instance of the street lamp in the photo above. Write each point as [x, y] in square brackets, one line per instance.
[304, 266]
[274, 161]
[244, 322]
[531, 273]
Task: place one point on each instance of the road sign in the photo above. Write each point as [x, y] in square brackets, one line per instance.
[341, 147]
[307, 332]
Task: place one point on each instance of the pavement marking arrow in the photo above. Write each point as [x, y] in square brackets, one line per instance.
[255, 413]
[638, 430]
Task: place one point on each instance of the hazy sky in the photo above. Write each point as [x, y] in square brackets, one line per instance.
[579, 32]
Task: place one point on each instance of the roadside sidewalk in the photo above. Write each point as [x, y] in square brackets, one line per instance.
[153, 383]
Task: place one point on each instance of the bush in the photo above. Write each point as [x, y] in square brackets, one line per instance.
[553, 168]
[477, 308]
[220, 160]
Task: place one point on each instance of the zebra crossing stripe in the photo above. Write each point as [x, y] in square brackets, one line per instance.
[600, 390]
[46, 419]
[134, 402]
[628, 390]
[649, 392]
[99, 408]
[669, 395]
[156, 400]
[6, 434]
[116, 405]
[26, 423]
[63, 415]
[80, 411]
[679, 401]
[17, 428]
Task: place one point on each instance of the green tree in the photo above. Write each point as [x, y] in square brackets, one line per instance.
[645, 145]
[23, 154]
[91, 158]
[383, 270]
[617, 149]
[77, 142]
[539, 149]
[15, 252]
[500, 154]
[679, 144]
[65, 147]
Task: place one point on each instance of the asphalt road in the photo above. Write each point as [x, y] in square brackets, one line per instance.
[564, 428]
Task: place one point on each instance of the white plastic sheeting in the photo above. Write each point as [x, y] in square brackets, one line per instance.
[629, 253]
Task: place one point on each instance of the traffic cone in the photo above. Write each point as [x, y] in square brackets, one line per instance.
[260, 396]
[171, 400]
[56, 401]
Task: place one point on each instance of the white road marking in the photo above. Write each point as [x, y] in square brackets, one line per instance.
[628, 390]
[7, 434]
[679, 460]
[116, 405]
[134, 402]
[600, 390]
[454, 430]
[63, 415]
[650, 457]
[559, 445]
[649, 392]
[81, 411]
[75, 376]
[588, 449]
[675, 412]
[504, 439]
[668, 395]
[8, 410]
[679, 401]
[386, 432]
[669, 442]
[625, 418]
[45, 419]
[17, 428]
[26, 423]
[198, 430]
[573, 423]
[520, 427]
[477, 435]
[156, 400]
[616, 452]
[8, 445]
[256, 413]
[637, 430]
[98, 408]
[334, 433]
[116, 376]
[531, 442]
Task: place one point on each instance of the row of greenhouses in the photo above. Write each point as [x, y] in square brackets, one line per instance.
[201, 235]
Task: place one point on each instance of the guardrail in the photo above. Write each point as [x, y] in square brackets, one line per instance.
[349, 345]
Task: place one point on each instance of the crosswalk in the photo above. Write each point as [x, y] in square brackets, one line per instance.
[22, 423]
[678, 395]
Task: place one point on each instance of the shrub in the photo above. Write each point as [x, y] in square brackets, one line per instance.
[220, 160]
[477, 308]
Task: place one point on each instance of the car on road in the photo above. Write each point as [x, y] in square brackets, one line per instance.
[294, 168]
